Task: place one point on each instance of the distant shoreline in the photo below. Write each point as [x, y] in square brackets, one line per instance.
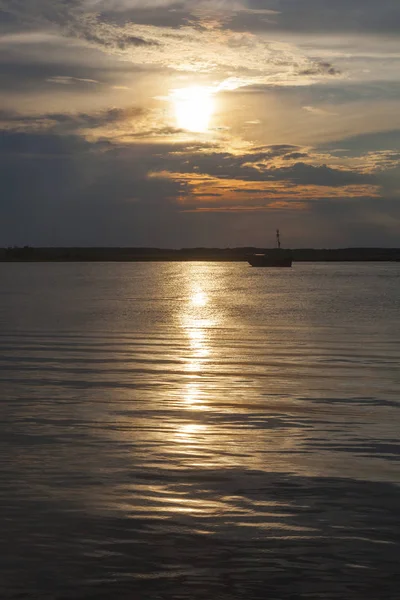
[69, 254]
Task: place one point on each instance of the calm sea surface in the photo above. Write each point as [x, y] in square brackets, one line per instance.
[200, 431]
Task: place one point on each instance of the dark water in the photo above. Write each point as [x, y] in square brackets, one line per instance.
[187, 431]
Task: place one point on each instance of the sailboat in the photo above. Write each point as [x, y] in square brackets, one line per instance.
[274, 258]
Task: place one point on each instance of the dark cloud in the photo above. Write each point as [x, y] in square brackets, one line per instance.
[320, 68]
[9, 22]
[173, 15]
[131, 40]
[357, 144]
[362, 222]
[66, 123]
[78, 193]
[33, 69]
[348, 91]
[295, 155]
[121, 42]
[321, 16]
[305, 174]
[75, 192]
[330, 96]
[39, 145]
[301, 16]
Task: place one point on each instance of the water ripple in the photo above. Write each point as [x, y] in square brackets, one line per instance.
[194, 443]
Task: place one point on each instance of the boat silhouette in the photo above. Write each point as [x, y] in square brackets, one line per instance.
[274, 258]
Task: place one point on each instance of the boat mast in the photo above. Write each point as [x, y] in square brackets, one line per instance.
[278, 239]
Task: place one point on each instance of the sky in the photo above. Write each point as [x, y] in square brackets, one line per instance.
[200, 123]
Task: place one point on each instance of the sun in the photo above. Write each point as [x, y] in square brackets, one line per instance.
[194, 107]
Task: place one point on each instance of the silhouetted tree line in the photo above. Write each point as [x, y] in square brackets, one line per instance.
[28, 253]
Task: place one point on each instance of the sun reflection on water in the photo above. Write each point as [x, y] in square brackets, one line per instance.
[199, 298]
[190, 433]
[193, 397]
[198, 343]
[197, 321]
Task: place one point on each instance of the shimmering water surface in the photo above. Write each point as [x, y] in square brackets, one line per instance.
[200, 430]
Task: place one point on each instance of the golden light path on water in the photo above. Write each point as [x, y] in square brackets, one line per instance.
[220, 386]
[221, 420]
[198, 317]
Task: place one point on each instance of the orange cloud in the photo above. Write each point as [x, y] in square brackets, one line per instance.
[201, 193]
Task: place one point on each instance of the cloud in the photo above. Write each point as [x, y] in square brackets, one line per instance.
[131, 40]
[76, 191]
[317, 110]
[69, 80]
[321, 16]
[268, 164]
[198, 46]
[32, 64]
[104, 163]
[356, 145]
[320, 68]
[68, 123]
[40, 144]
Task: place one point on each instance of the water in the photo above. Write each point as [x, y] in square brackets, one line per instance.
[200, 430]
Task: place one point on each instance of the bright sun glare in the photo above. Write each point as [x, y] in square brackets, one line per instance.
[199, 299]
[194, 107]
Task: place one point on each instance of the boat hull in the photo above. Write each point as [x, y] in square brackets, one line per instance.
[270, 261]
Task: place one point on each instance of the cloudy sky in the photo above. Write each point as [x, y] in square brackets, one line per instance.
[200, 123]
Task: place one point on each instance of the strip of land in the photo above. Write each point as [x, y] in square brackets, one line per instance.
[30, 254]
